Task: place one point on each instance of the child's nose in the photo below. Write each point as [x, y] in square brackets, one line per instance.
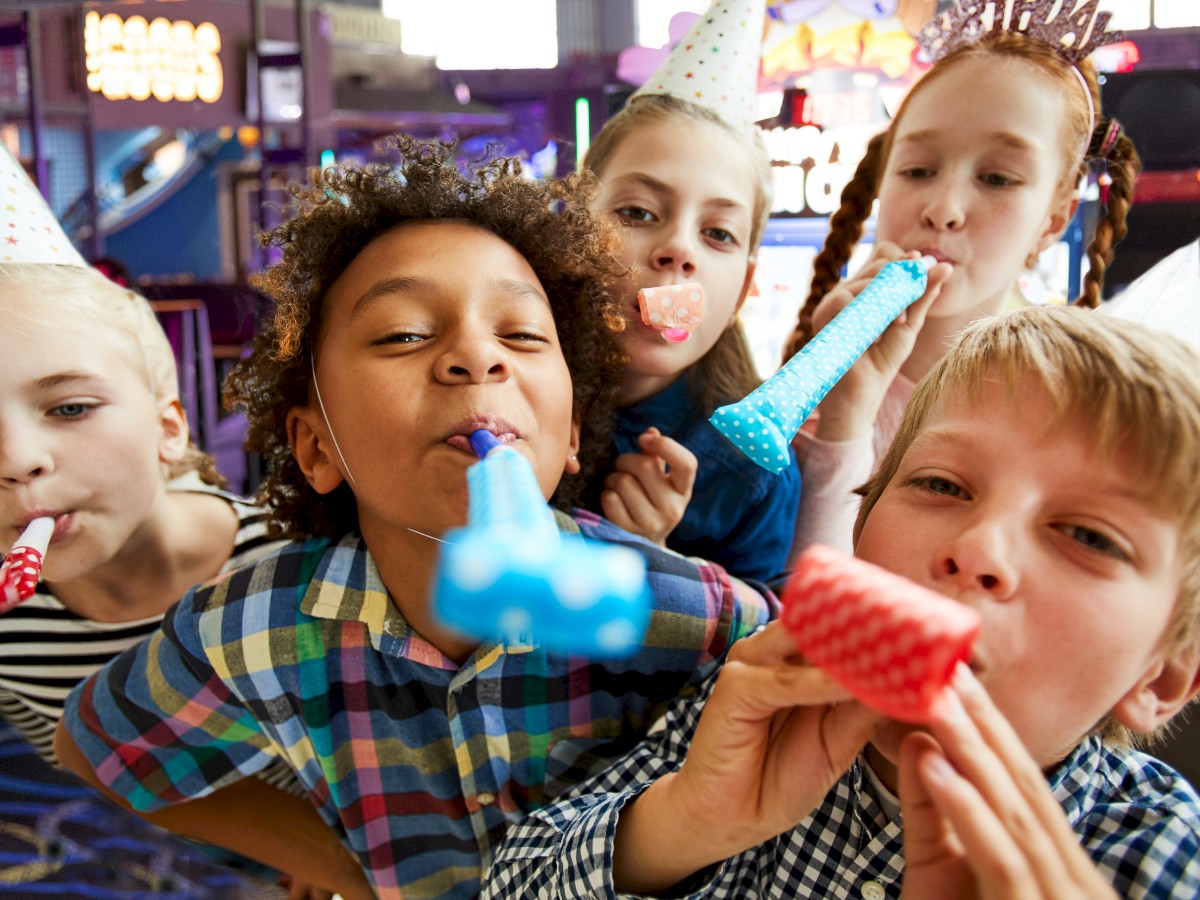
[944, 210]
[472, 361]
[22, 460]
[979, 560]
[675, 252]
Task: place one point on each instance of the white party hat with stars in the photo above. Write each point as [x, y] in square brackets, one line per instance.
[29, 232]
[716, 64]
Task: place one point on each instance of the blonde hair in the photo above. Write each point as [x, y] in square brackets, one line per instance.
[727, 372]
[87, 295]
[1077, 132]
[1134, 390]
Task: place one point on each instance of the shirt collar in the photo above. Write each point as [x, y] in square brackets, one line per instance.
[1073, 781]
[346, 587]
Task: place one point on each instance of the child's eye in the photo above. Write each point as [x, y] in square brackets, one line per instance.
[401, 337]
[917, 172]
[720, 235]
[1094, 540]
[634, 214]
[995, 179]
[526, 336]
[72, 410]
[937, 485]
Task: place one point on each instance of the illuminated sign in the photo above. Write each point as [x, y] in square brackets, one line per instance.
[812, 166]
[832, 109]
[135, 59]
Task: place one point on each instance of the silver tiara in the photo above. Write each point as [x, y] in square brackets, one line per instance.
[1073, 27]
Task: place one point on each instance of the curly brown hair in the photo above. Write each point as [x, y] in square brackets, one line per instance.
[572, 252]
[1121, 165]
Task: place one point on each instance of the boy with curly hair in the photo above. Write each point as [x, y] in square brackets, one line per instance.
[415, 306]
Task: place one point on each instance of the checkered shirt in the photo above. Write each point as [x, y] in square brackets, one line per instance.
[1137, 818]
[418, 764]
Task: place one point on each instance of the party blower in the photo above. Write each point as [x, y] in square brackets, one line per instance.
[673, 310]
[892, 643]
[23, 565]
[511, 575]
[763, 423]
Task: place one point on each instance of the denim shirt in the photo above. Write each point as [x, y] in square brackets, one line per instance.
[741, 516]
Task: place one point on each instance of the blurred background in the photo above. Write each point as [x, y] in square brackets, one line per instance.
[163, 134]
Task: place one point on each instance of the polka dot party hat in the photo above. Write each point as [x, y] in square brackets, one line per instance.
[716, 64]
[29, 232]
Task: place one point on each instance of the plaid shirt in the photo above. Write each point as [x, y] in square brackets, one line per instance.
[418, 764]
[1136, 817]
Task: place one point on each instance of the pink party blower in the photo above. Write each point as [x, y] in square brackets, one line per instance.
[23, 565]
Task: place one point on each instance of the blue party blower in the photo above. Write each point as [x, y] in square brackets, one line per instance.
[512, 576]
[763, 423]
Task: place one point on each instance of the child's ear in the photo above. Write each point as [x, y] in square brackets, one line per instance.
[1162, 691]
[173, 432]
[747, 283]
[309, 438]
[1061, 214]
[572, 464]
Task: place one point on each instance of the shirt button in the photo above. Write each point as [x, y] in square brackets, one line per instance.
[873, 890]
[489, 799]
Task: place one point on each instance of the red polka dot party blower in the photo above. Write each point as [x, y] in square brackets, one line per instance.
[23, 565]
[890, 642]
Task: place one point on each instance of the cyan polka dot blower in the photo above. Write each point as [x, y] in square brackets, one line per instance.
[763, 423]
[512, 576]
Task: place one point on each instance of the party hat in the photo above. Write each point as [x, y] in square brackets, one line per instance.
[716, 64]
[29, 232]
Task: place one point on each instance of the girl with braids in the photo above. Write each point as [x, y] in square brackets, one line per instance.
[979, 169]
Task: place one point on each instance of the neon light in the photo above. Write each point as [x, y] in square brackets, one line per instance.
[583, 129]
[135, 59]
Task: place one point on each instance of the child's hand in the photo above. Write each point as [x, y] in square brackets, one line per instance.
[649, 491]
[979, 818]
[773, 739]
[848, 411]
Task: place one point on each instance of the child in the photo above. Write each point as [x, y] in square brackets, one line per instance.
[414, 307]
[689, 177]
[92, 433]
[1044, 474]
[979, 169]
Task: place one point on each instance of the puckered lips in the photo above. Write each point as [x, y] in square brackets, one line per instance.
[458, 436]
[62, 521]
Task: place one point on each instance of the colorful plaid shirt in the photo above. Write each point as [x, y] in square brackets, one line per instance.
[419, 764]
[1136, 817]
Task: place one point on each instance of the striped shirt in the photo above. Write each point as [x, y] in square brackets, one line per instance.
[419, 764]
[1137, 818]
[45, 649]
